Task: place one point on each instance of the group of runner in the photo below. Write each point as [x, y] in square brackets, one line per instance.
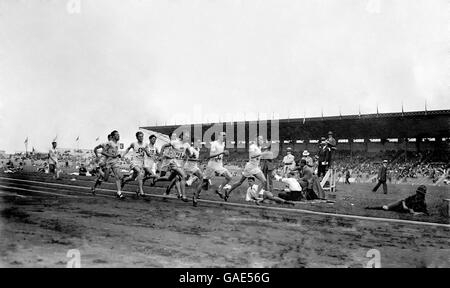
[176, 161]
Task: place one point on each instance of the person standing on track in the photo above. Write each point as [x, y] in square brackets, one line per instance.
[53, 161]
[382, 177]
[288, 162]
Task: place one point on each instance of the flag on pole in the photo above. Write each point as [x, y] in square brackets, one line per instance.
[402, 109]
[377, 110]
[26, 141]
[78, 138]
[96, 139]
[359, 111]
[304, 116]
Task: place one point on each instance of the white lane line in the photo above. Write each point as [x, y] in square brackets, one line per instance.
[12, 194]
[379, 219]
[36, 191]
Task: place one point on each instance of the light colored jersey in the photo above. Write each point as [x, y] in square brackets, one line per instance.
[194, 153]
[289, 159]
[53, 156]
[217, 148]
[138, 151]
[113, 149]
[252, 193]
[292, 183]
[153, 151]
[254, 152]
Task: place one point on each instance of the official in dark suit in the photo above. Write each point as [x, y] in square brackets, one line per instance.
[267, 166]
[382, 176]
[324, 158]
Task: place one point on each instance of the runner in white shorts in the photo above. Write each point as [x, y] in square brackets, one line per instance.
[191, 168]
[111, 152]
[252, 168]
[150, 161]
[177, 175]
[137, 162]
[103, 173]
[215, 164]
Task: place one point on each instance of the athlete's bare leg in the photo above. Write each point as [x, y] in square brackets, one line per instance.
[234, 186]
[198, 190]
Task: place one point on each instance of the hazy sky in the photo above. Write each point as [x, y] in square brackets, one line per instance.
[121, 64]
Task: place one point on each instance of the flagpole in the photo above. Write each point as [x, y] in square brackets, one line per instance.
[26, 146]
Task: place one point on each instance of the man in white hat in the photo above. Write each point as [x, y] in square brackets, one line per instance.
[307, 158]
[288, 162]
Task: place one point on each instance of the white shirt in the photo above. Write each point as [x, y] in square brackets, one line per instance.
[253, 151]
[138, 151]
[53, 156]
[153, 150]
[194, 153]
[289, 159]
[252, 193]
[217, 148]
[291, 182]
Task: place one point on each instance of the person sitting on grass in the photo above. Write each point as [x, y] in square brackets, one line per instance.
[293, 191]
[82, 171]
[257, 198]
[414, 204]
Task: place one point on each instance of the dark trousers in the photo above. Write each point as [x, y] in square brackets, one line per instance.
[346, 180]
[267, 169]
[291, 195]
[378, 186]
[321, 170]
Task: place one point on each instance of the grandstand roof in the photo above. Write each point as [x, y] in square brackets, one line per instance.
[418, 124]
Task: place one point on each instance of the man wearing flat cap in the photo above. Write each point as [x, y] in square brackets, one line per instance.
[288, 162]
[382, 176]
[414, 204]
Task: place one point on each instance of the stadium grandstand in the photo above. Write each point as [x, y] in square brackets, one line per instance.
[411, 131]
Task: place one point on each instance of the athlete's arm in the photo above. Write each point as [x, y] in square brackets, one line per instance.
[96, 149]
[128, 150]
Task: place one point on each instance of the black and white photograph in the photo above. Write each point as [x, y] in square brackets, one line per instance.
[224, 134]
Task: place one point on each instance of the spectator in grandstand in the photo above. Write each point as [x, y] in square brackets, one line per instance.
[82, 170]
[414, 204]
[288, 162]
[307, 158]
[253, 195]
[324, 157]
[293, 191]
[382, 177]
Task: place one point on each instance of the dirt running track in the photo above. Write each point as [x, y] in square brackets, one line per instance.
[37, 230]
